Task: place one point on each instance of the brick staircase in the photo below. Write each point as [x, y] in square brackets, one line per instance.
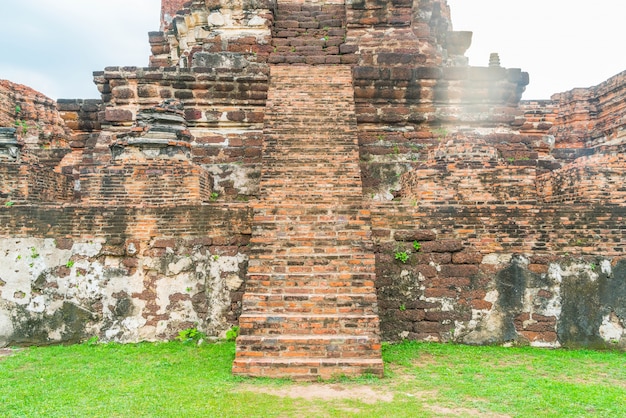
[312, 34]
[310, 308]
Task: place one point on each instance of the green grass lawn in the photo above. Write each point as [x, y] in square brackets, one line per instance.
[179, 380]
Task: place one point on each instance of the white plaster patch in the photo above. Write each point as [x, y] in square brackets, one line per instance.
[37, 304]
[181, 265]
[6, 328]
[492, 296]
[497, 258]
[131, 249]
[611, 329]
[88, 249]
[216, 19]
[555, 273]
[257, 21]
[605, 267]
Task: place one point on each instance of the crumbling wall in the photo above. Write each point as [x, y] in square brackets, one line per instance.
[494, 222]
[67, 274]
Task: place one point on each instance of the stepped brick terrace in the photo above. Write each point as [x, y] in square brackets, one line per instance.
[325, 175]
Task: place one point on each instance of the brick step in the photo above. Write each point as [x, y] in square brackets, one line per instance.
[296, 163]
[349, 250]
[309, 213]
[309, 303]
[323, 198]
[310, 242]
[306, 369]
[318, 38]
[347, 244]
[308, 277]
[310, 282]
[298, 153]
[311, 347]
[305, 291]
[315, 47]
[268, 324]
[302, 277]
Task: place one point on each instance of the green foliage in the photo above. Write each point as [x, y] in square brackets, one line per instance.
[402, 256]
[21, 125]
[8, 203]
[69, 264]
[190, 335]
[232, 333]
[417, 246]
[18, 109]
[92, 340]
[33, 252]
[593, 266]
[402, 307]
[214, 196]
[216, 257]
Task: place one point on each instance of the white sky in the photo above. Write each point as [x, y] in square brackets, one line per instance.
[562, 43]
[55, 45]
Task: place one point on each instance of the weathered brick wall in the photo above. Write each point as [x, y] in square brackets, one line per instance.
[501, 273]
[517, 208]
[35, 115]
[210, 27]
[68, 273]
[587, 117]
[148, 183]
[37, 183]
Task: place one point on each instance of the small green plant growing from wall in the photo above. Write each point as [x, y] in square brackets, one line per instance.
[232, 333]
[19, 123]
[214, 196]
[8, 203]
[190, 335]
[216, 257]
[402, 256]
[402, 307]
[33, 252]
[417, 246]
[69, 264]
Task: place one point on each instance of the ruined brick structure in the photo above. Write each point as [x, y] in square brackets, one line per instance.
[324, 174]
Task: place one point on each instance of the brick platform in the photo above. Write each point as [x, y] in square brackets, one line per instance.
[310, 307]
